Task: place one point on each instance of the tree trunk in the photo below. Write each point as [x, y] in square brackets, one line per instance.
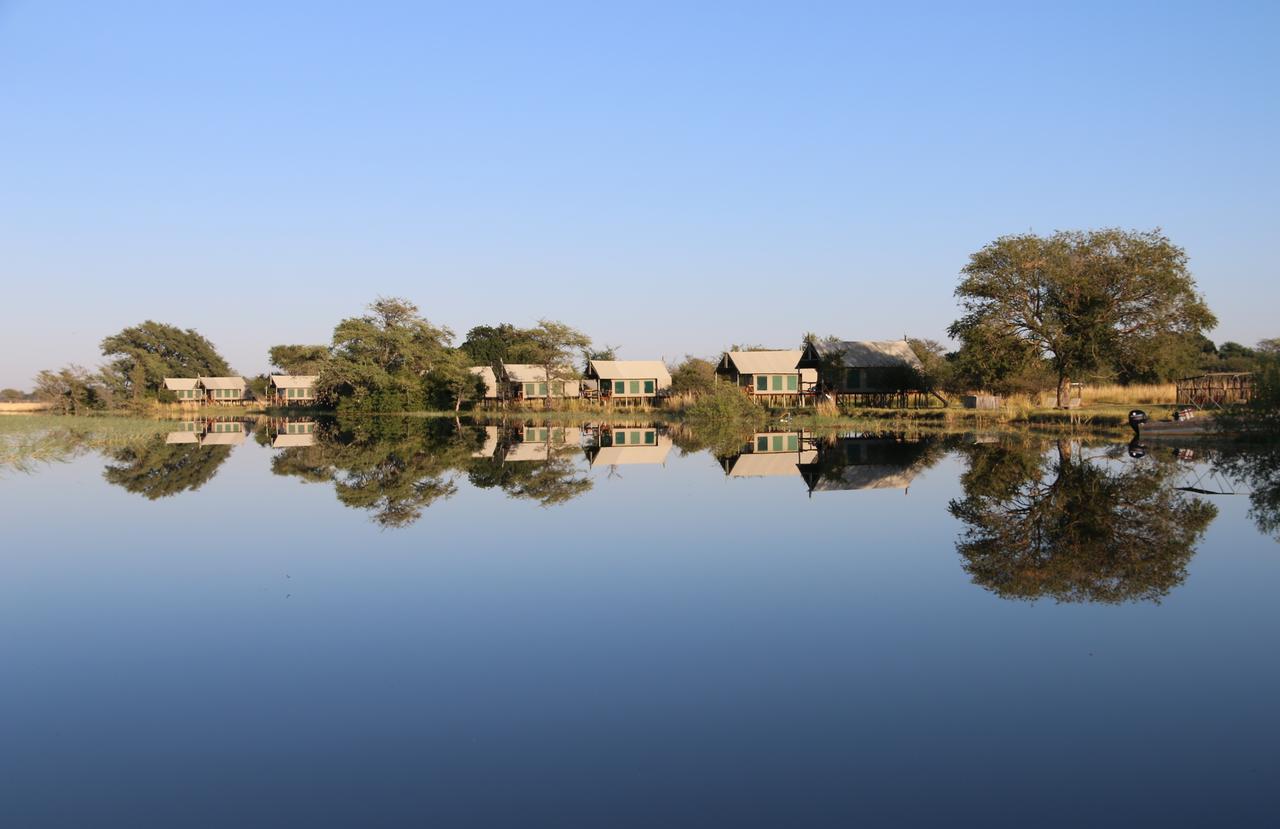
[1064, 390]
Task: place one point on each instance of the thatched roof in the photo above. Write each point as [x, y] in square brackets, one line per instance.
[870, 353]
[294, 381]
[631, 370]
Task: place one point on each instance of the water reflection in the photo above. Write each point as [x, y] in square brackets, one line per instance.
[1059, 520]
[1075, 525]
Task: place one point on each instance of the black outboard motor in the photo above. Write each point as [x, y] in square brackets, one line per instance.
[1137, 417]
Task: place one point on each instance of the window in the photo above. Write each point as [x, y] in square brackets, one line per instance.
[762, 382]
[777, 443]
[650, 438]
[542, 389]
[557, 388]
[777, 382]
[619, 387]
[648, 386]
[793, 443]
[853, 379]
[635, 438]
[792, 382]
[529, 389]
[762, 444]
[635, 386]
[619, 438]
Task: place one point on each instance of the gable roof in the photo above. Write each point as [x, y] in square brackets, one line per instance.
[630, 370]
[765, 362]
[222, 382]
[525, 372]
[871, 353]
[770, 464]
[294, 381]
[180, 383]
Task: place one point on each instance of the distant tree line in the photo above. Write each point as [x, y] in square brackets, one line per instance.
[1037, 312]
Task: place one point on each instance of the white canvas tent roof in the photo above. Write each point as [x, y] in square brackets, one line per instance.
[631, 370]
[180, 383]
[624, 455]
[288, 441]
[222, 382]
[765, 362]
[294, 381]
[486, 374]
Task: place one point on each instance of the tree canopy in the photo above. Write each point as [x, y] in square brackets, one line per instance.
[141, 356]
[1080, 299]
[379, 361]
[299, 359]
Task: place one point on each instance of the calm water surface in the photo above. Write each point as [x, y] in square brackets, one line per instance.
[411, 623]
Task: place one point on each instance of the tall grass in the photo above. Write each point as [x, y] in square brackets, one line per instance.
[30, 440]
[1137, 394]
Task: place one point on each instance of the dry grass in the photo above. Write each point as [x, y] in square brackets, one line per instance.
[1117, 395]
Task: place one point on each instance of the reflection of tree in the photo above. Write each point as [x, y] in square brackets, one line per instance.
[158, 470]
[550, 482]
[1258, 467]
[1074, 529]
[394, 468]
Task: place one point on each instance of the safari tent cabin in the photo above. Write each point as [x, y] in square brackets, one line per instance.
[622, 445]
[288, 389]
[186, 389]
[486, 374]
[773, 454]
[223, 433]
[526, 381]
[628, 379]
[540, 443]
[223, 389]
[768, 373]
[863, 367]
[295, 433]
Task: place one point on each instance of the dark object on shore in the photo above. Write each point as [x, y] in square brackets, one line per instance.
[1137, 417]
[1184, 414]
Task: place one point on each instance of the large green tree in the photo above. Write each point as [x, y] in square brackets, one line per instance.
[380, 360]
[299, 359]
[1081, 299]
[141, 356]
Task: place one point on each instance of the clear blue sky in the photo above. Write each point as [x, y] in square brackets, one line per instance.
[669, 179]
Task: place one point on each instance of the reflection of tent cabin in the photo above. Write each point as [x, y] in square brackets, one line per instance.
[768, 374]
[186, 389]
[629, 380]
[872, 462]
[223, 433]
[525, 381]
[539, 443]
[187, 432]
[490, 379]
[490, 445]
[288, 389]
[223, 389]
[772, 454]
[622, 445]
[864, 368]
[295, 433]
